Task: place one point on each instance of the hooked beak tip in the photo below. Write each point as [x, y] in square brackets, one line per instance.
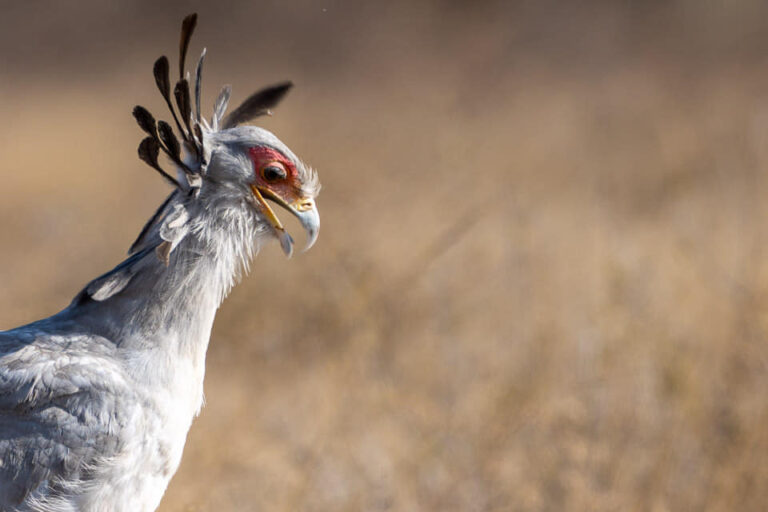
[311, 238]
[310, 221]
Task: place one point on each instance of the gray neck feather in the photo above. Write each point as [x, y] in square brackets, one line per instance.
[171, 308]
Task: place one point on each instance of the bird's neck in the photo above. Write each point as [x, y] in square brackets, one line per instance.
[169, 309]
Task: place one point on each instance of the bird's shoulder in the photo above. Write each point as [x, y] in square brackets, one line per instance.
[37, 366]
[61, 405]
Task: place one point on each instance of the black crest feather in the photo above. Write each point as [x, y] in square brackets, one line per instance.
[181, 93]
[199, 85]
[187, 28]
[257, 104]
[161, 77]
[169, 140]
[164, 85]
[199, 133]
[149, 149]
[145, 120]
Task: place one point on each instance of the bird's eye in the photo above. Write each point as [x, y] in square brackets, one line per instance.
[273, 172]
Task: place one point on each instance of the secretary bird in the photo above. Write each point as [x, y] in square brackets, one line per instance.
[96, 401]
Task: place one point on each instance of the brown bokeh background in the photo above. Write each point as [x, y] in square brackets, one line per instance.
[542, 278]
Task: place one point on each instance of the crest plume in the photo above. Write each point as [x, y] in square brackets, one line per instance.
[257, 104]
[186, 150]
[187, 28]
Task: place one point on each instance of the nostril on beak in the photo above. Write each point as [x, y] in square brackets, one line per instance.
[304, 205]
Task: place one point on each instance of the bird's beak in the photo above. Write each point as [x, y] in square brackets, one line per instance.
[304, 209]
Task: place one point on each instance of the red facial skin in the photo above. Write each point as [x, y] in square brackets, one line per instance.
[288, 188]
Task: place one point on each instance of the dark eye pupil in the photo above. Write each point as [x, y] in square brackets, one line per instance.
[272, 173]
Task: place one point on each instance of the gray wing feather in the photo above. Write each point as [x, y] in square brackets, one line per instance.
[59, 408]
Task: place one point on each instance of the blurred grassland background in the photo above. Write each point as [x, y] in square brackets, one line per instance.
[542, 278]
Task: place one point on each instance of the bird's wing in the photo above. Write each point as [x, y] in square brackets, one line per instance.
[59, 400]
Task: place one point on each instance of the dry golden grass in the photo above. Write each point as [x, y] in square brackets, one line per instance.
[541, 282]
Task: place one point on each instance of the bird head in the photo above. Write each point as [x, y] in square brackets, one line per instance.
[223, 162]
[252, 163]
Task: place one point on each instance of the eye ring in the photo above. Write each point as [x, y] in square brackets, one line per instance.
[274, 171]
